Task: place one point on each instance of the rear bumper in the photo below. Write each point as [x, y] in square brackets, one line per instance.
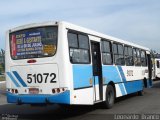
[62, 98]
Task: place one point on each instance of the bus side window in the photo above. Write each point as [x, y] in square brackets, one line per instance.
[143, 58]
[158, 66]
[78, 48]
[137, 57]
[128, 51]
[118, 51]
[106, 48]
[73, 40]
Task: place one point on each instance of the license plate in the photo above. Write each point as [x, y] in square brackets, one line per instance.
[33, 90]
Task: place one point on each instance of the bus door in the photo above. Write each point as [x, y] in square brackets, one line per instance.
[97, 71]
[150, 69]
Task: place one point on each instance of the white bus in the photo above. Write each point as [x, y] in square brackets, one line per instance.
[157, 68]
[58, 62]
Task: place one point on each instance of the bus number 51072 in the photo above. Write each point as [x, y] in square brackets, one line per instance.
[41, 78]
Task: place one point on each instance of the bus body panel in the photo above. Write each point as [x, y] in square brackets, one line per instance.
[35, 76]
[82, 76]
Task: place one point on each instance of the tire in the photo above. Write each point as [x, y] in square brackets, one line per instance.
[140, 93]
[110, 97]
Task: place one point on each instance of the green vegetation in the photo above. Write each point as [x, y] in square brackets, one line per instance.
[2, 78]
[1, 68]
[2, 61]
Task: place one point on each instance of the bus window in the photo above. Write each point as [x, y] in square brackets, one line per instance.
[118, 54]
[106, 52]
[33, 43]
[128, 56]
[137, 57]
[78, 48]
[83, 42]
[158, 65]
[115, 49]
[143, 58]
[73, 40]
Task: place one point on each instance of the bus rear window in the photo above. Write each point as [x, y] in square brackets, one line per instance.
[34, 43]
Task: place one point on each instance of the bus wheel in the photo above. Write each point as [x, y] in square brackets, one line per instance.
[140, 93]
[110, 97]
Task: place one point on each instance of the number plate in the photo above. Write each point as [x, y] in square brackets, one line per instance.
[33, 91]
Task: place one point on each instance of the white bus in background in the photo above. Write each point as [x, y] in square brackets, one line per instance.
[58, 62]
[157, 68]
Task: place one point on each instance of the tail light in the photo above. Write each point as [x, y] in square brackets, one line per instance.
[53, 91]
[31, 61]
[63, 89]
[14, 91]
[58, 90]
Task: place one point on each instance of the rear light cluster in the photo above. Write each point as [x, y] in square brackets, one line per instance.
[14, 91]
[58, 90]
[31, 61]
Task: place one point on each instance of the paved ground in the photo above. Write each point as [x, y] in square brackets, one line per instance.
[132, 104]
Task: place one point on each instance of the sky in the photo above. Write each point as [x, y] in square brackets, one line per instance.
[137, 21]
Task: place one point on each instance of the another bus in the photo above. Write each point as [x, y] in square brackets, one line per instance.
[58, 62]
[157, 68]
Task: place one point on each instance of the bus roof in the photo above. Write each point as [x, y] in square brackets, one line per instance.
[101, 35]
[78, 28]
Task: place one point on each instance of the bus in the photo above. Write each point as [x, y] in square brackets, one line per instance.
[157, 68]
[62, 63]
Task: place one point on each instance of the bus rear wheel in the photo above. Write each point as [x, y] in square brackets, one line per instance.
[110, 97]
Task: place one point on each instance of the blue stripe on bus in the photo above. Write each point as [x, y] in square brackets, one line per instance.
[96, 81]
[13, 80]
[122, 73]
[122, 89]
[133, 86]
[82, 75]
[149, 83]
[110, 73]
[19, 79]
[63, 98]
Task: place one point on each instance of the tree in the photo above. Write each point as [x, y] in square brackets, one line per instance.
[2, 54]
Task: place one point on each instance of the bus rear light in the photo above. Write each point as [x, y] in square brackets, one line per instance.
[16, 91]
[12, 90]
[58, 90]
[53, 91]
[63, 89]
[31, 61]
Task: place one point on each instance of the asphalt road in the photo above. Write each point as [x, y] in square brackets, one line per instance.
[131, 104]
